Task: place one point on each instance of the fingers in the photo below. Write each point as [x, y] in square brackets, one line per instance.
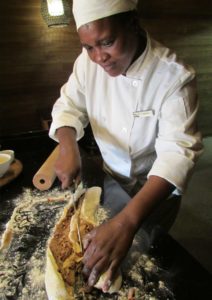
[111, 274]
[68, 169]
[94, 261]
[86, 272]
[94, 275]
[65, 182]
[101, 254]
[92, 253]
[64, 178]
[97, 270]
[86, 241]
[95, 264]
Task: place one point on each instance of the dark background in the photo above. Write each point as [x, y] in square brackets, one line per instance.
[36, 60]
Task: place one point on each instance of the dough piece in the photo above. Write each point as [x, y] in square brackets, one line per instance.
[55, 286]
[90, 205]
[88, 213]
[7, 236]
[63, 275]
[115, 286]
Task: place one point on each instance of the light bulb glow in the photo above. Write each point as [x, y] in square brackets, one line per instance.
[55, 7]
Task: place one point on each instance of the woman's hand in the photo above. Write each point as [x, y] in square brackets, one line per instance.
[68, 167]
[105, 248]
[68, 164]
[107, 245]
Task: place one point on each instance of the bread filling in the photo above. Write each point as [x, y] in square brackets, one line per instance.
[67, 255]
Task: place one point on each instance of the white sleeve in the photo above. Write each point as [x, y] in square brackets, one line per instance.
[70, 108]
[178, 144]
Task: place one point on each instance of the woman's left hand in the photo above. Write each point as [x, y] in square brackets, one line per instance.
[105, 248]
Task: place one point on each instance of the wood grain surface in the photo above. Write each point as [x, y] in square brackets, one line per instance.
[34, 63]
[15, 169]
[36, 60]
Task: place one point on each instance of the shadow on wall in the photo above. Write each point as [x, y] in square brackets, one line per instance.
[186, 27]
[157, 8]
[193, 226]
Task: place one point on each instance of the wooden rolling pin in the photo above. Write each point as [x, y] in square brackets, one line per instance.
[45, 176]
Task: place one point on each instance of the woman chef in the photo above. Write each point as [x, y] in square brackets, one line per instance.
[141, 103]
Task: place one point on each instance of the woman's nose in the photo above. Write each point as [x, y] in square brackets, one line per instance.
[100, 56]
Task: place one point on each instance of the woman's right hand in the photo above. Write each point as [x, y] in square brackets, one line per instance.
[68, 164]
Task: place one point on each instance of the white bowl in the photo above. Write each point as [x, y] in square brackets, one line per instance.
[10, 152]
[5, 161]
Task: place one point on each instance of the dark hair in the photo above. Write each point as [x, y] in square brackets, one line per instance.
[127, 20]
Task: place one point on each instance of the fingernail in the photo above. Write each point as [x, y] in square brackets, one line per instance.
[86, 271]
[92, 279]
[106, 286]
[85, 244]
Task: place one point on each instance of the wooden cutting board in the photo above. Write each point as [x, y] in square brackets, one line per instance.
[15, 169]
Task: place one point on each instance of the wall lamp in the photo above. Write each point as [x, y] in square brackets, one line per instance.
[56, 12]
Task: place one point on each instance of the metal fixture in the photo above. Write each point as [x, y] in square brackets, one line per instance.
[56, 12]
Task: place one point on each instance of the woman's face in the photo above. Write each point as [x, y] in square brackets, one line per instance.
[110, 45]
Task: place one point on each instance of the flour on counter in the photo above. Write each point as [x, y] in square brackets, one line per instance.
[22, 263]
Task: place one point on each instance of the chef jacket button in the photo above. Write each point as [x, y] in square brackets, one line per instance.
[124, 130]
[134, 83]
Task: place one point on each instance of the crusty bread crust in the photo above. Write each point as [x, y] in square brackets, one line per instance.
[64, 254]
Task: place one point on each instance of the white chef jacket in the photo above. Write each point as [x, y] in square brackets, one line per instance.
[144, 123]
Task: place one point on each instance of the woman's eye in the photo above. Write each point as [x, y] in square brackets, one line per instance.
[107, 43]
[88, 48]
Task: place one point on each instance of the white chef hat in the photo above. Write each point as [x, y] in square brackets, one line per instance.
[86, 11]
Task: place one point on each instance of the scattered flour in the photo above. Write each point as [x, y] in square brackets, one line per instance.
[22, 263]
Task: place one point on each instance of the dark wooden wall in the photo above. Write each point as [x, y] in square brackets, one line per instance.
[179, 8]
[36, 60]
[186, 26]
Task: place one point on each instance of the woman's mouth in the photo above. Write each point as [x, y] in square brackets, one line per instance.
[108, 67]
